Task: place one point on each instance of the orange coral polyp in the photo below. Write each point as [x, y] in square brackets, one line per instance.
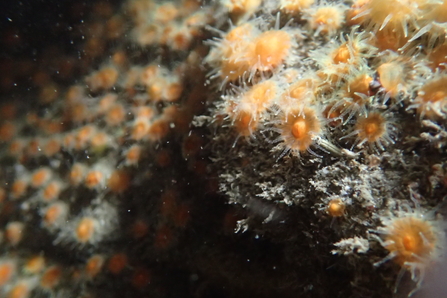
[432, 94]
[336, 208]
[302, 137]
[240, 8]
[51, 277]
[94, 179]
[295, 6]
[371, 128]
[342, 54]
[359, 84]
[392, 77]
[54, 213]
[302, 89]
[233, 68]
[252, 104]
[119, 181]
[133, 155]
[389, 40]
[140, 129]
[40, 177]
[85, 230]
[352, 17]
[411, 239]
[245, 124]
[298, 129]
[236, 50]
[327, 19]
[94, 266]
[51, 191]
[239, 33]
[393, 16]
[431, 101]
[299, 94]
[21, 290]
[117, 263]
[271, 49]
[260, 96]
[7, 270]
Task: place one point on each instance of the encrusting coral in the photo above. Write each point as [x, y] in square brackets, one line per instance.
[227, 149]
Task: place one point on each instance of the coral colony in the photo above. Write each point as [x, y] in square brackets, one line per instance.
[229, 148]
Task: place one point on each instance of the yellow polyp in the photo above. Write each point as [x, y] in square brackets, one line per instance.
[371, 129]
[245, 124]
[336, 208]
[410, 243]
[342, 54]
[300, 129]
[411, 239]
[272, 48]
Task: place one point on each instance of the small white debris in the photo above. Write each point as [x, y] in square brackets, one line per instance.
[350, 246]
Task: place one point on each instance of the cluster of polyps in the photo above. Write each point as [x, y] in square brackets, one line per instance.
[357, 77]
[246, 51]
[385, 57]
[166, 24]
[299, 99]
